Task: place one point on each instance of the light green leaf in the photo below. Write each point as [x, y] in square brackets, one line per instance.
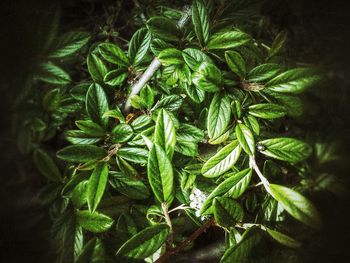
[286, 149]
[116, 77]
[133, 154]
[234, 186]
[293, 81]
[46, 166]
[147, 97]
[81, 153]
[200, 21]
[130, 186]
[113, 54]
[245, 138]
[296, 205]
[122, 133]
[169, 103]
[236, 63]
[197, 95]
[227, 40]
[164, 134]
[96, 104]
[69, 44]
[160, 174]
[221, 138]
[144, 243]
[267, 111]
[227, 211]
[163, 28]
[80, 137]
[188, 132]
[194, 58]
[207, 78]
[171, 56]
[94, 222]
[219, 116]
[115, 113]
[222, 161]
[96, 185]
[96, 67]
[187, 148]
[139, 45]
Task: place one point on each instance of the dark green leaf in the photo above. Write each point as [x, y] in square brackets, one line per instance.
[147, 97]
[197, 95]
[267, 111]
[139, 45]
[122, 133]
[200, 21]
[113, 54]
[164, 133]
[164, 28]
[96, 67]
[229, 39]
[96, 186]
[116, 77]
[208, 77]
[245, 138]
[133, 154]
[94, 222]
[53, 74]
[236, 63]
[283, 239]
[145, 243]
[170, 103]
[171, 56]
[227, 211]
[93, 252]
[194, 58]
[96, 104]
[81, 153]
[69, 44]
[263, 72]
[80, 137]
[90, 128]
[46, 165]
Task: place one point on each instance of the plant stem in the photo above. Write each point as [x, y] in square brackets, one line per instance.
[186, 242]
[154, 66]
[252, 164]
[168, 221]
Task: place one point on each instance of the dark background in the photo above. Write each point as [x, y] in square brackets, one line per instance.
[321, 36]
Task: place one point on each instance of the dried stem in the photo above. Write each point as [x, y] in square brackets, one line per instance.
[186, 242]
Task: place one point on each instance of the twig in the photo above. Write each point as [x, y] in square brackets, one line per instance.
[186, 242]
[168, 221]
[252, 164]
[154, 66]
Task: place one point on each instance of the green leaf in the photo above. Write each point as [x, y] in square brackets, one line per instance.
[267, 111]
[94, 222]
[236, 63]
[115, 113]
[234, 186]
[79, 194]
[69, 44]
[52, 99]
[194, 58]
[222, 161]
[200, 21]
[130, 186]
[245, 249]
[252, 123]
[169, 103]
[160, 174]
[188, 132]
[90, 128]
[207, 78]
[80, 137]
[227, 40]
[264, 72]
[219, 116]
[93, 252]
[221, 138]
[293, 81]
[122, 133]
[278, 43]
[96, 186]
[286, 149]
[245, 138]
[81, 153]
[139, 45]
[133, 154]
[96, 67]
[147, 97]
[164, 134]
[96, 104]
[113, 54]
[141, 123]
[187, 148]
[144, 243]
[197, 95]
[296, 205]
[227, 211]
[116, 77]
[53, 74]
[171, 56]
[283, 239]
[158, 45]
[164, 28]
[46, 166]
